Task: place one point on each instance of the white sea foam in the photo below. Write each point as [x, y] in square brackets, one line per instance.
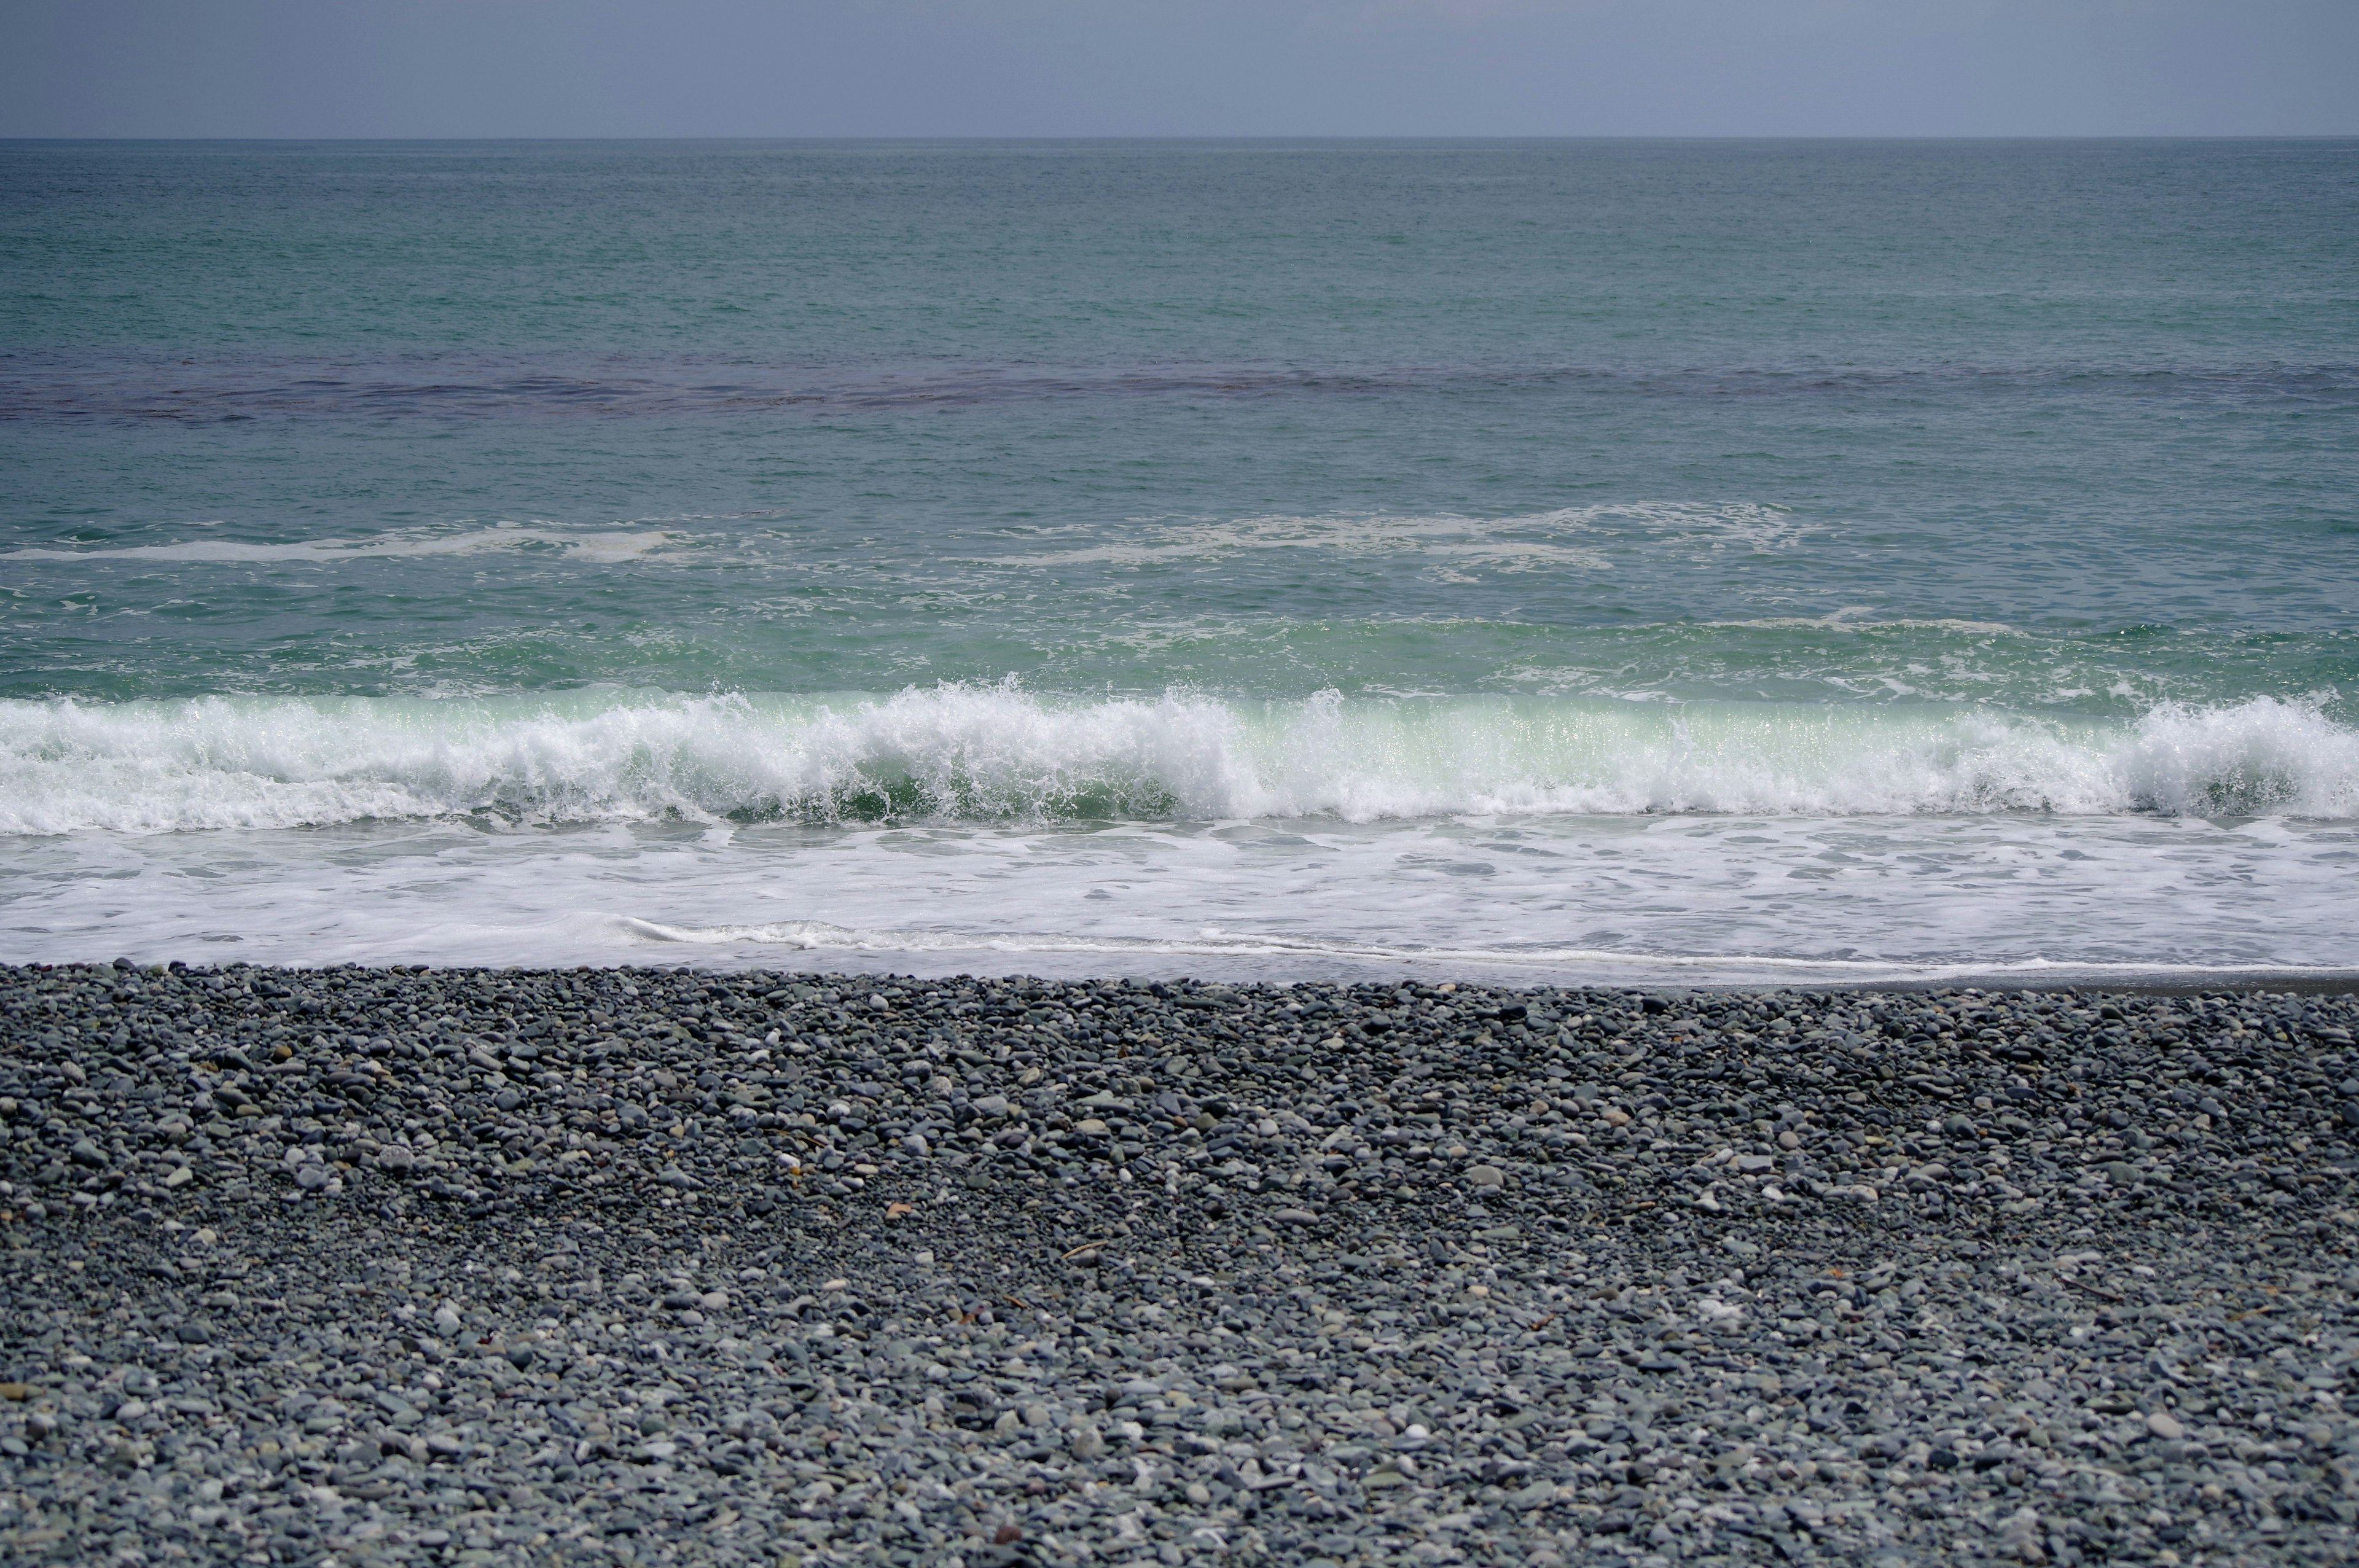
[820, 936]
[1855, 618]
[997, 753]
[607, 546]
[1629, 900]
[1575, 538]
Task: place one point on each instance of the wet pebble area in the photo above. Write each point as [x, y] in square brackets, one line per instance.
[368, 1266]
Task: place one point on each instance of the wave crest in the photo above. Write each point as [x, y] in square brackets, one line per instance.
[607, 546]
[996, 753]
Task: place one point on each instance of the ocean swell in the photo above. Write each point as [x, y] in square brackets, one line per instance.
[996, 753]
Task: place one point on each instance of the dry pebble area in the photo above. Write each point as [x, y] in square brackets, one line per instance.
[366, 1266]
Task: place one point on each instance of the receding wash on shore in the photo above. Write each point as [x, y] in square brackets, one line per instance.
[1625, 563]
[637, 1265]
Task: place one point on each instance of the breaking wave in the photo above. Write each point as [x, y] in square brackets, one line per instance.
[996, 753]
[607, 546]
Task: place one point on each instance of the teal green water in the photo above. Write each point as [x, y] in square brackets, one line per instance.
[1107, 415]
[1168, 482]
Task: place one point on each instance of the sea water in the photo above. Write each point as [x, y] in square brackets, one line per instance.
[1622, 561]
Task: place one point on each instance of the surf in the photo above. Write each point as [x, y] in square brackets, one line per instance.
[1000, 753]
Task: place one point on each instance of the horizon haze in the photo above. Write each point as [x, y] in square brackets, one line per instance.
[277, 68]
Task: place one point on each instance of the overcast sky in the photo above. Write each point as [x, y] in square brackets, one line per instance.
[997, 68]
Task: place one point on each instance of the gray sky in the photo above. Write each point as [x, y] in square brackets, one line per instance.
[797, 68]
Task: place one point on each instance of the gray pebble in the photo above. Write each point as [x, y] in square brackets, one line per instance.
[908, 1270]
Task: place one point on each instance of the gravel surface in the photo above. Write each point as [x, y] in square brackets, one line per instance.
[365, 1265]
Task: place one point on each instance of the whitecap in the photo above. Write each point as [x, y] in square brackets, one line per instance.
[1579, 537]
[965, 752]
[604, 548]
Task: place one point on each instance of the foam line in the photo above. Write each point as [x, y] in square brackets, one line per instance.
[818, 936]
[596, 548]
[998, 753]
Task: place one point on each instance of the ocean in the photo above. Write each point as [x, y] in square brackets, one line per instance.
[1805, 563]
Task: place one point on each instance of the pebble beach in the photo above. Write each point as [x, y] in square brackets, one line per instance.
[397, 1266]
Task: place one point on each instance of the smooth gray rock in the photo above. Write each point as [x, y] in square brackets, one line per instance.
[1906, 1277]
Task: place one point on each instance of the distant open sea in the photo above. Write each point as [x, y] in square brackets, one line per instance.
[1622, 562]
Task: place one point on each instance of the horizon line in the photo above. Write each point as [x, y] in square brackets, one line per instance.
[8, 139]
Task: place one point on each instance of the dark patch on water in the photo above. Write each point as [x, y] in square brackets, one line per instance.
[468, 390]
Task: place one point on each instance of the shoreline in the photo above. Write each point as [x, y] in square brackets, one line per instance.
[2331, 983]
[2320, 982]
[704, 1265]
